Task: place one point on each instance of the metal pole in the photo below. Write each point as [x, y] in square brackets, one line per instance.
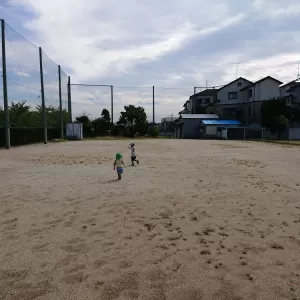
[4, 81]
[193, 101]
[69, 100]
[61, 120]
[44, 116]
[153, 103]
[112, 104]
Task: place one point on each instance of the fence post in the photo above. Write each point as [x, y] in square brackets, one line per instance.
[69, 100]
[112, 104]
[44, 114]
[61, 119]
[5, 96]
[153, 104]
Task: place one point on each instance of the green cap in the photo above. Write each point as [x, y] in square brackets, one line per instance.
[119, 156]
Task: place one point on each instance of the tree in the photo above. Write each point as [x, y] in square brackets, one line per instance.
[134, 119]
[101, 126]
[105, 115]
[86, 124]
[280, 124]
[275, 116]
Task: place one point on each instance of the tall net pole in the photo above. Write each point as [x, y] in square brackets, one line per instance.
[44, 116]
[5, 97]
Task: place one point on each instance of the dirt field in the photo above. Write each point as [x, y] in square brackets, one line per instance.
[195, 220]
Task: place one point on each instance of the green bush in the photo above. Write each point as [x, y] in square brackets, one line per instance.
[25, 136]
[153, 131]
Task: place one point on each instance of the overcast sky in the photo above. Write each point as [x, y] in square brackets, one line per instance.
[172, 44]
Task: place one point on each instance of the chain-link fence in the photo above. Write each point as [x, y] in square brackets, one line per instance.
[30, 107]
[130, 106]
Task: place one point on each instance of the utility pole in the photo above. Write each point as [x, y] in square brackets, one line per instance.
[69, 100]
[61, 119]
[4, 81]
[112, 104]
[153, 95]
[43, 96]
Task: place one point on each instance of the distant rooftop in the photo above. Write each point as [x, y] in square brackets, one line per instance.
[205, 93]
[199, 116]
[220, 122]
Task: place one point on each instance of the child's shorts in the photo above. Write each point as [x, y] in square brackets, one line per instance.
[120, 170]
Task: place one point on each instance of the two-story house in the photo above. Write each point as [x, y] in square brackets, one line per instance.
[203, 99]
[187, 108]
[229, 102]
[256, 93]
[291, 92]
[241, 99]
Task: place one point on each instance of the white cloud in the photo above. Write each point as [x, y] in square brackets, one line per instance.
[162, 43]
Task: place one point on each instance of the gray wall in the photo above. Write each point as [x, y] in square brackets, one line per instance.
[190, 129]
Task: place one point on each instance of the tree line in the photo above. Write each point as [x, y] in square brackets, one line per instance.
[132, 121]
[22, 115]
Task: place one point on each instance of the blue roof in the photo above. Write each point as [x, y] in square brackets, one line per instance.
[220, 122]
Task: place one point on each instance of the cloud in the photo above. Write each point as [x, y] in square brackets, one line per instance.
[171, 44]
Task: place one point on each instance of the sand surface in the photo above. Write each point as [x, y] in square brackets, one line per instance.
[195, 220]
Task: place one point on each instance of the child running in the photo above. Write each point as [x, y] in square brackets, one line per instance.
[133, 154]
[118, 165]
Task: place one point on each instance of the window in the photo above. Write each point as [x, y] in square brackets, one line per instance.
[250, 93]
[239, 84]
[232, 95]
[229, 112]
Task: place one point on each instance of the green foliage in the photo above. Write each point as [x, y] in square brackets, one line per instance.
[101, 126]
[153, 131]
[26, 123]
[24, 136]
[105, 115]
[276, 115]
[134, 119]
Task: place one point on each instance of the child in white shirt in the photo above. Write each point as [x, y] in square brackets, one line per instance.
[133, 154]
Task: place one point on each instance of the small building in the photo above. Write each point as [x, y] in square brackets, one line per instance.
[187, 125]
[210, 128]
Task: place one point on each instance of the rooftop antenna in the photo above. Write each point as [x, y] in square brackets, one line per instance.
[206, 83]
[236, 69]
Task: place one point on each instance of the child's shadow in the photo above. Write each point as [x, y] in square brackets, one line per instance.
[110, 181]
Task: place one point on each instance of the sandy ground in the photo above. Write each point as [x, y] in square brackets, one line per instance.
[195, 220]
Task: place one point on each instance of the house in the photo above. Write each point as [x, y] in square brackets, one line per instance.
[187, 107]
[187, 125]
[227, 99]
[291, 92]
[202, 99]
[256, 93]
[241, 99]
